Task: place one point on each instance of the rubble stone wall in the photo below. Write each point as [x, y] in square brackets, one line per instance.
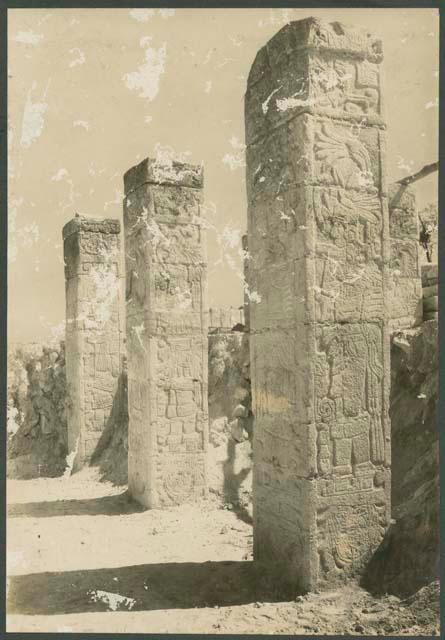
[37, 426]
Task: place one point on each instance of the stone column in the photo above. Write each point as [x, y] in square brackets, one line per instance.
[93, 330]
[406, 280]
[167, 324]
[318, 238]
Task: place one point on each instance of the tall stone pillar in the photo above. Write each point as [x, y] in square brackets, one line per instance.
[167, 324]
[94, 347]
[319, 245]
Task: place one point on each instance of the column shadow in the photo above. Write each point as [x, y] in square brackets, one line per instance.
[116, 505]
[141, 588]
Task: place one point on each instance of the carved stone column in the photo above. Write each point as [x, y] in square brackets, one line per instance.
[406, 280]
[167, 341]
[93, 330]
[318, 239]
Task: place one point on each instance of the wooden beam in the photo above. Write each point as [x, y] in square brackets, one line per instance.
[427, 169]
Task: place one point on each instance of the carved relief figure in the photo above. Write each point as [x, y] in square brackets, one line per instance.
[348, 381]
[344, 159]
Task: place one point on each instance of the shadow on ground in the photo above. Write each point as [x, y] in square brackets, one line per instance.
[151, 586]
[116, 505]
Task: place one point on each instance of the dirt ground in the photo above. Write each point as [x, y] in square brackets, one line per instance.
[84, 558]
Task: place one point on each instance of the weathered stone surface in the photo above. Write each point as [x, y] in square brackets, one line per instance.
[167, 342]
[314, 67]
[408, 558]
[93, 329]
[319, 246]
[405, 283]
[37, 426]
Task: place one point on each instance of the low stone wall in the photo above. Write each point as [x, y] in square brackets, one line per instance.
[37, 403]
[37, 426]
[225, 319]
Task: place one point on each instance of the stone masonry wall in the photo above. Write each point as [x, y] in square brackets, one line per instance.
[409, 556]
[318, 237]
[37, 427]
[94, 346]
[167, 340]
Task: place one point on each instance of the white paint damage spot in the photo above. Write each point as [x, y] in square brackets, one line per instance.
[265, 105]
[118, 197]
[167, 13]
[29, 234]
[28, 37]
[114, 600]
[208, 86]
[15, 559]
[14, 420]
[33, 117]
[60, 175]
[139, 330]
[79, 59]
[235, 160]
[145, 79]
[16, 203]
[82, 123]
[142, 15]
[405, 165]
[70, 460]
[163, 167]
[293, 102]
[432, 105]
[225, 62]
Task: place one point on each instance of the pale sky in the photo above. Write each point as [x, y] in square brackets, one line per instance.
[93, 91]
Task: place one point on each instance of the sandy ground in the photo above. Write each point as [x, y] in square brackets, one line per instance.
[83, 558]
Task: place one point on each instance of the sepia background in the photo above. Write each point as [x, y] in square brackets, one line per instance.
[92, 92]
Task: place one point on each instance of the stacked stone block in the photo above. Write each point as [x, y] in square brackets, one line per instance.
[405, 285]
[318, 236]
[225, 318]
[430, 291]
[167, 325]
[94, 346]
